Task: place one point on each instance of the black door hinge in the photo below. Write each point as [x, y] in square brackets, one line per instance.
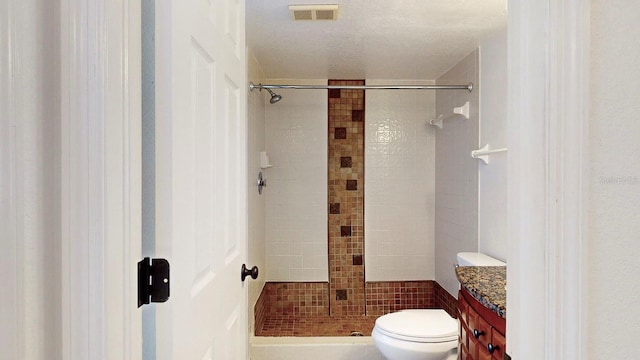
[153, 281]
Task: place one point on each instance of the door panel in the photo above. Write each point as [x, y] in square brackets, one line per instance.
[202, 84]
[200, 177]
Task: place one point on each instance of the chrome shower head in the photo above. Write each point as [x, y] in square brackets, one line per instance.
[274, 97]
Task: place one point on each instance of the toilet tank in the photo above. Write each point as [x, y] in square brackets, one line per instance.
[477, 259]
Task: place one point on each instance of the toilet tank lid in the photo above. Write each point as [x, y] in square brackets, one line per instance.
[427, 324]
[477, 259]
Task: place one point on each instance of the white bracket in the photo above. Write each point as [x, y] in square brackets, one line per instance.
[484, 152]
[264, 160]
[437, 121]
[460, 110]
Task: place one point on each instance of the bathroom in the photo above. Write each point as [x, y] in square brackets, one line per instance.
[420, 196]
[70, 176]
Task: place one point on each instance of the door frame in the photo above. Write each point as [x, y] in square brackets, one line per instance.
[548, 138]
[548, 177]
[100, 178]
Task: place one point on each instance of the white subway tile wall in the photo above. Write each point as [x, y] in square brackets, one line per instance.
[456, 206]
[296, 193]
[399, 183]
[255, 202]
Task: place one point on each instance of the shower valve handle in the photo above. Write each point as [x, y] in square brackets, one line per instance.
[253, 272]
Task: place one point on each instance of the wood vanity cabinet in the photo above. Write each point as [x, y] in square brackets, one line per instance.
[481, 330]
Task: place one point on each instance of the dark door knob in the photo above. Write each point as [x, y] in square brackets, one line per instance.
[477, 334]
[253, 272]
[491, 348]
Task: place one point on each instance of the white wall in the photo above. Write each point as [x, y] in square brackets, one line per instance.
[456, 209]
[148, 143]
[256, 203]
[400, 183]
[30, 321]
[492, 177]
[614, 204]
[296, 193]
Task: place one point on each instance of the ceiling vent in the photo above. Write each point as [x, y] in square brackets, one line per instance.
[314, 12]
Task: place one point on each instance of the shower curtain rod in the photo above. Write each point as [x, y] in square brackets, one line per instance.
[365, 87]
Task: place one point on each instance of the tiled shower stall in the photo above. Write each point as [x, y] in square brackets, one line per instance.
[367, 205]
[349, 210]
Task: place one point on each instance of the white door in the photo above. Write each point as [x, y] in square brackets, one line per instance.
[201, 173]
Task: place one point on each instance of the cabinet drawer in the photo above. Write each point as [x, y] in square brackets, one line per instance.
[499, 343]
[472, 317]
[464, 335]
[489, 327]
[483, 354]
[484, 330]
[463, 309]
[474, 348]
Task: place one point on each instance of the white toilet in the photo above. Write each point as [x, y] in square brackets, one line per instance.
[425, 334]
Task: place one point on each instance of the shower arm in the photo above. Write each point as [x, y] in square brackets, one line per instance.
[468, 87]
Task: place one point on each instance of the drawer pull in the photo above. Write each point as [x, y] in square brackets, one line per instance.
[477, 334]
[492, 348]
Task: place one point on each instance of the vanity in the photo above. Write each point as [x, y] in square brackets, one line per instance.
[482, 312]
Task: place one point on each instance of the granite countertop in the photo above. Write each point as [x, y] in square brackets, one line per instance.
[487, 284]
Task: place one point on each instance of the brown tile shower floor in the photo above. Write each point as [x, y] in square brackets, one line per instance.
[316, 325]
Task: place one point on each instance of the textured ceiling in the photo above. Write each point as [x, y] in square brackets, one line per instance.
[372, 39]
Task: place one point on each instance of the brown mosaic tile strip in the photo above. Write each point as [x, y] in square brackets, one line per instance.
[346, 169]
[280, 325]
[445, 301]
[386, 297]
[296, 298]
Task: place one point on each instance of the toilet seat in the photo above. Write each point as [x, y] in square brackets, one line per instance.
[424, 325]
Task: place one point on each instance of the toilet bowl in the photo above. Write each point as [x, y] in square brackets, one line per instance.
[425, 334]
